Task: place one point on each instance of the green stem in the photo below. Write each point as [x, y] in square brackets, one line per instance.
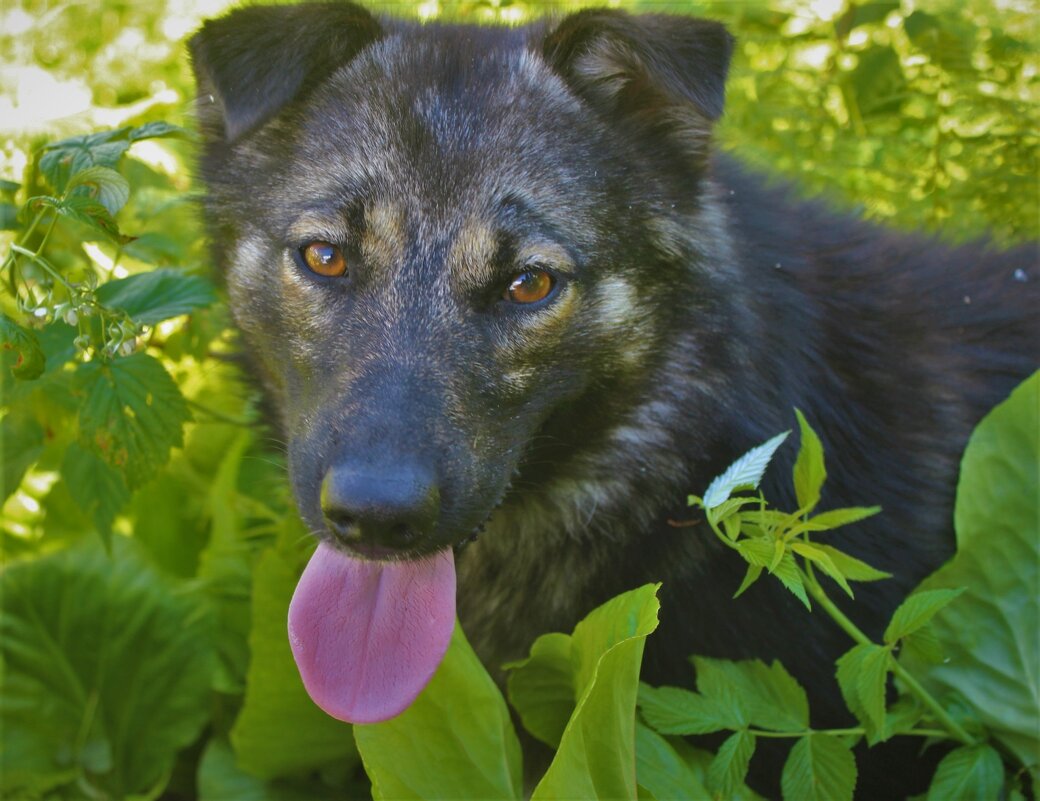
[38, 259]
[24, 238]
[850, 628]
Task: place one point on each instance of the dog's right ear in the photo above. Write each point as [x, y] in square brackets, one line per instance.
[252, 62]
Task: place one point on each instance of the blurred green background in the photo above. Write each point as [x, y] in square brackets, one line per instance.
[161, 668]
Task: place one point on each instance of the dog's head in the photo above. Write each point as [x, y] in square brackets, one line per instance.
[447, 246]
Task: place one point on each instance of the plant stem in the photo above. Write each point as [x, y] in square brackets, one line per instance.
[850, 628]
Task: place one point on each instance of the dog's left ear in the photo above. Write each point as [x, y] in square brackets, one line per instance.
[667, 71]
[252, 62]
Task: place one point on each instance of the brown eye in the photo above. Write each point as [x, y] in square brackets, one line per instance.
[530, 286]
[324, 258]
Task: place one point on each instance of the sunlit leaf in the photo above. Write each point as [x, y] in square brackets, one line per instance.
[820, 767]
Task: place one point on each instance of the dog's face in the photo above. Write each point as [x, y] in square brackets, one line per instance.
[443, 244]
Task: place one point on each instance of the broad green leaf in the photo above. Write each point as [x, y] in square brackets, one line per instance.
[916, 611]
[455, 741]
[21, 350]
[84, 210]
[969, 773]
[63, 159]
[98, 489]
[104, 185]
[901, 717]
[21, 443]
[541, 687]
[157, 130]
[747, 471]
[862, 674]
[768, 695]
[852, 568]
[596, 757]
[158, 295]
[662, 771]
[757, 551]
[988, 638]
[809, 469]
[730, 765]
[106, 667]
[280, 731]
[132, 414]
[671, 710]
[220, 778]
[820, 767]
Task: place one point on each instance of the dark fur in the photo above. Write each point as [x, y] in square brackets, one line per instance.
[699, 308]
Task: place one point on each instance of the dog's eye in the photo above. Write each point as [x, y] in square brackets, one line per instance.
[324, 258]
[530, 286]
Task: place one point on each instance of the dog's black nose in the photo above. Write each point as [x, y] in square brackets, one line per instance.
[375, 508]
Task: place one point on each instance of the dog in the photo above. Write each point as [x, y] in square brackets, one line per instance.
[510, 305]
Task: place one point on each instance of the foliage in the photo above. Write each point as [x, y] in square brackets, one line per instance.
[159, 664]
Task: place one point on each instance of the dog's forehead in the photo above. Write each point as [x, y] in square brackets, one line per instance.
[439, 115]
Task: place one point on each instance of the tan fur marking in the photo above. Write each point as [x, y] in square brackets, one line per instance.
[384, 241]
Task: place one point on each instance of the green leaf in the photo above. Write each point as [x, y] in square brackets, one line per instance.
[157, 295]
[21, 350]
[280, 731]
[541, 688]
[8, 217]
[862, 674]
[852, 568]
[596, 757]
[791, 577]
[916, 611]
[747, 471]
[221, 779]
[106, 667]
[989, 636]
[455, 741]
[21, 443]
[132, 415]
[104, 185]
[662, 771]
[98, 489]
[753, 572]
[809, 469]
[156, 130]
[85, 211]
[970, 772]
[757, 551]
[820, 767]
[822, 560]
[63, 159]
[730, 765]
[671, 710]
[825, 521]
[901, 717]
[766, 695]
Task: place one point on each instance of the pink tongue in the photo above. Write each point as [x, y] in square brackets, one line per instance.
[367, 636]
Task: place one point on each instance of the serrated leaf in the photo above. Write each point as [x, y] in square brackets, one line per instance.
[862, 674]
[106, 667]
[730, 765]
[969, 773]
[822, 560]
[104, 185]
[916, 611]
[756, 551]
[988, 638]
[156, 130]
[85, 211]
[852, 568]
[753, 572]
[662, 771]
[747, 471]
[460, 719]
[98, 489]
[809, 469]
[63, 159]
[133, 413]
[21, 350]
[791, 577]
[157, 295]
[757, 694]
[671, 710]
[820, 767]
[922, 645]
[541, 688]
[825, 521]
[900, 718]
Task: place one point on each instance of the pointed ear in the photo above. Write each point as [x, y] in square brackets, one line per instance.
[255, 60]
[665, 71]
